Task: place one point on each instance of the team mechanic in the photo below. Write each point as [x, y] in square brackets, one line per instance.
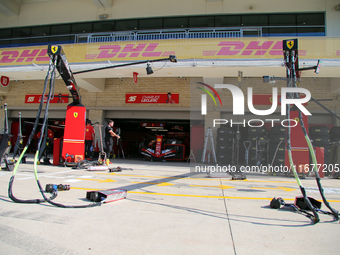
[109, 134]
[89, 138]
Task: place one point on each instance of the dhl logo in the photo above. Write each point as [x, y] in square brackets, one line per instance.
[254, 48]
[129, 51]
[10, 56]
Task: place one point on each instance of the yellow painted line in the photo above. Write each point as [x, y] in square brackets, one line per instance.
[160, 184]
[98, 180]
[107, 180]
[278, 188]
[146, 176]
[193, 178]
[262, 181]
[218, 186]
[201, 196]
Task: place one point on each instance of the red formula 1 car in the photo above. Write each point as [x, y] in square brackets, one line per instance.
[155, 152]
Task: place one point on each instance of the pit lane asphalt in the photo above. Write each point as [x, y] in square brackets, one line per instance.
[168, 210]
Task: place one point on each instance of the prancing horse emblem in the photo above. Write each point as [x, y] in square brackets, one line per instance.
[54, 49]
[75, 114]
[290, 44]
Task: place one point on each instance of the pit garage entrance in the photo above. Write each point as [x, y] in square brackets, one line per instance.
[142, 129]
[138, 135]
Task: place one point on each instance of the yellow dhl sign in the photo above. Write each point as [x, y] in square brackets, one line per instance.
[217, 48]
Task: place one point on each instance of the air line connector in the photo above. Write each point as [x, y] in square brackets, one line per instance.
[50, 188]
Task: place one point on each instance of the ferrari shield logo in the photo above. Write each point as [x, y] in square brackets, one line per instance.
[75, 114]
[54, 48]
[290, 44]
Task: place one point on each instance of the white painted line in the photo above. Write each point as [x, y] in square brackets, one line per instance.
[325, 190]
[46, 175]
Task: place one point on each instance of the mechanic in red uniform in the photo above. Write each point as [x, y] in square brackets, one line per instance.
[89, 138]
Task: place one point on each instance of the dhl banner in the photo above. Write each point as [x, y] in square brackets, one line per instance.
[217, 48]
